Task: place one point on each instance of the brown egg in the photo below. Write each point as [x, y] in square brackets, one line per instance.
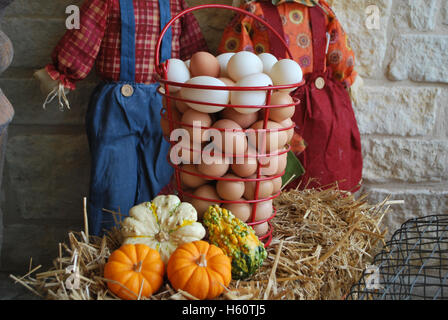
[264, 191]
[190, 180]
[193, 117]
[280, 114]
[264, 210]
[245, 120]
[274, 139]
[230, 190]
[207, 192]
[273, 165]
[165, 123]
[180, 105]
[186, 152]
[282, 162]
[261, 229]
[287, 123]
[277, 183]
[233, 139]
[204, 64]
[216, 168]
[242, 211]
[244, 167]
[228, 82]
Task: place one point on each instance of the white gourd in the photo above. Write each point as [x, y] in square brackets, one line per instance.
[163, 224]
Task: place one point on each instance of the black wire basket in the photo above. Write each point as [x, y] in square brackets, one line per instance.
[412, 266]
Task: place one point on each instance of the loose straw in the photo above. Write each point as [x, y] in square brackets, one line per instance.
[86, 223]
[322, 242]
[274, 268]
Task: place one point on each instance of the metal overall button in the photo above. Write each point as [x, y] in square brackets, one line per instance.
[320, 83]
[127, 90]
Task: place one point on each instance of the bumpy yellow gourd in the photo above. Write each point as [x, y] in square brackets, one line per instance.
[236, 239]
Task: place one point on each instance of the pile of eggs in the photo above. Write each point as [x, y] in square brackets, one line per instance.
[233, 184]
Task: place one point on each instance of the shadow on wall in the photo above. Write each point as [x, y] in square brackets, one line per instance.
[46, 163]
[6, 109]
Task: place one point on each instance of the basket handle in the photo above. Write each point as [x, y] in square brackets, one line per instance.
[219, 6]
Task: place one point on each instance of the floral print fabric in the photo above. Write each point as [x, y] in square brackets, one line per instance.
[244, 33]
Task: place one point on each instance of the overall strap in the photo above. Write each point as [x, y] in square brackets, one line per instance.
[127, 69]
[272, 16]
[165, 17]
[127, 66]
[317, 17]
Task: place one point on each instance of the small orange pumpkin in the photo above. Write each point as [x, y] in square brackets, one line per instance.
[134, 268]
[199, 268]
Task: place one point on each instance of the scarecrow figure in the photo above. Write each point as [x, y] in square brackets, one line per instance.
[326, 139]
[128, 153]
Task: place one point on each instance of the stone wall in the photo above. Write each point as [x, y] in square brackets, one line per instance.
[402, 110]
[402, 113]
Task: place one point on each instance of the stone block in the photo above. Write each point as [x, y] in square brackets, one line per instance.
[33, 39]
[369, 44]
[393, 110]
[24, 93]
[40, 8]
[419, 202]
[441, 129]
[405, 160]
[445, 12]
[10, 290]
[3, 143]
[420, 58]
[419, 15]
[46, 177]
[39, 242]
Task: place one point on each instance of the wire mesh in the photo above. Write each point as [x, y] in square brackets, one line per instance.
[261, 155]
[412, 266]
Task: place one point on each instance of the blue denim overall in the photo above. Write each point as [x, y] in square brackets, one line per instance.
[128, 152]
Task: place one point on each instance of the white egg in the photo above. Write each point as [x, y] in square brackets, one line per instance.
[251, 98]
[177, 72]
[187, 63]
[286, 72]
[242, 64]
[207, 96]
[268, 61]
[223, 60]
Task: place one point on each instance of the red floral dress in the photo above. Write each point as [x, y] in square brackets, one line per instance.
[244, 33]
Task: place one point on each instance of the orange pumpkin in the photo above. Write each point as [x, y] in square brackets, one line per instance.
[199, 268]
[134, 268]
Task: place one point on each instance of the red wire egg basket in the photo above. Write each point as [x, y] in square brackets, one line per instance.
[167, 115]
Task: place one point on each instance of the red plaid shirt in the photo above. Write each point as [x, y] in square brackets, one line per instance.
[99, 37]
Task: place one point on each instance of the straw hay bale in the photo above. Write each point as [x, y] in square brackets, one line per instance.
[323, 240]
